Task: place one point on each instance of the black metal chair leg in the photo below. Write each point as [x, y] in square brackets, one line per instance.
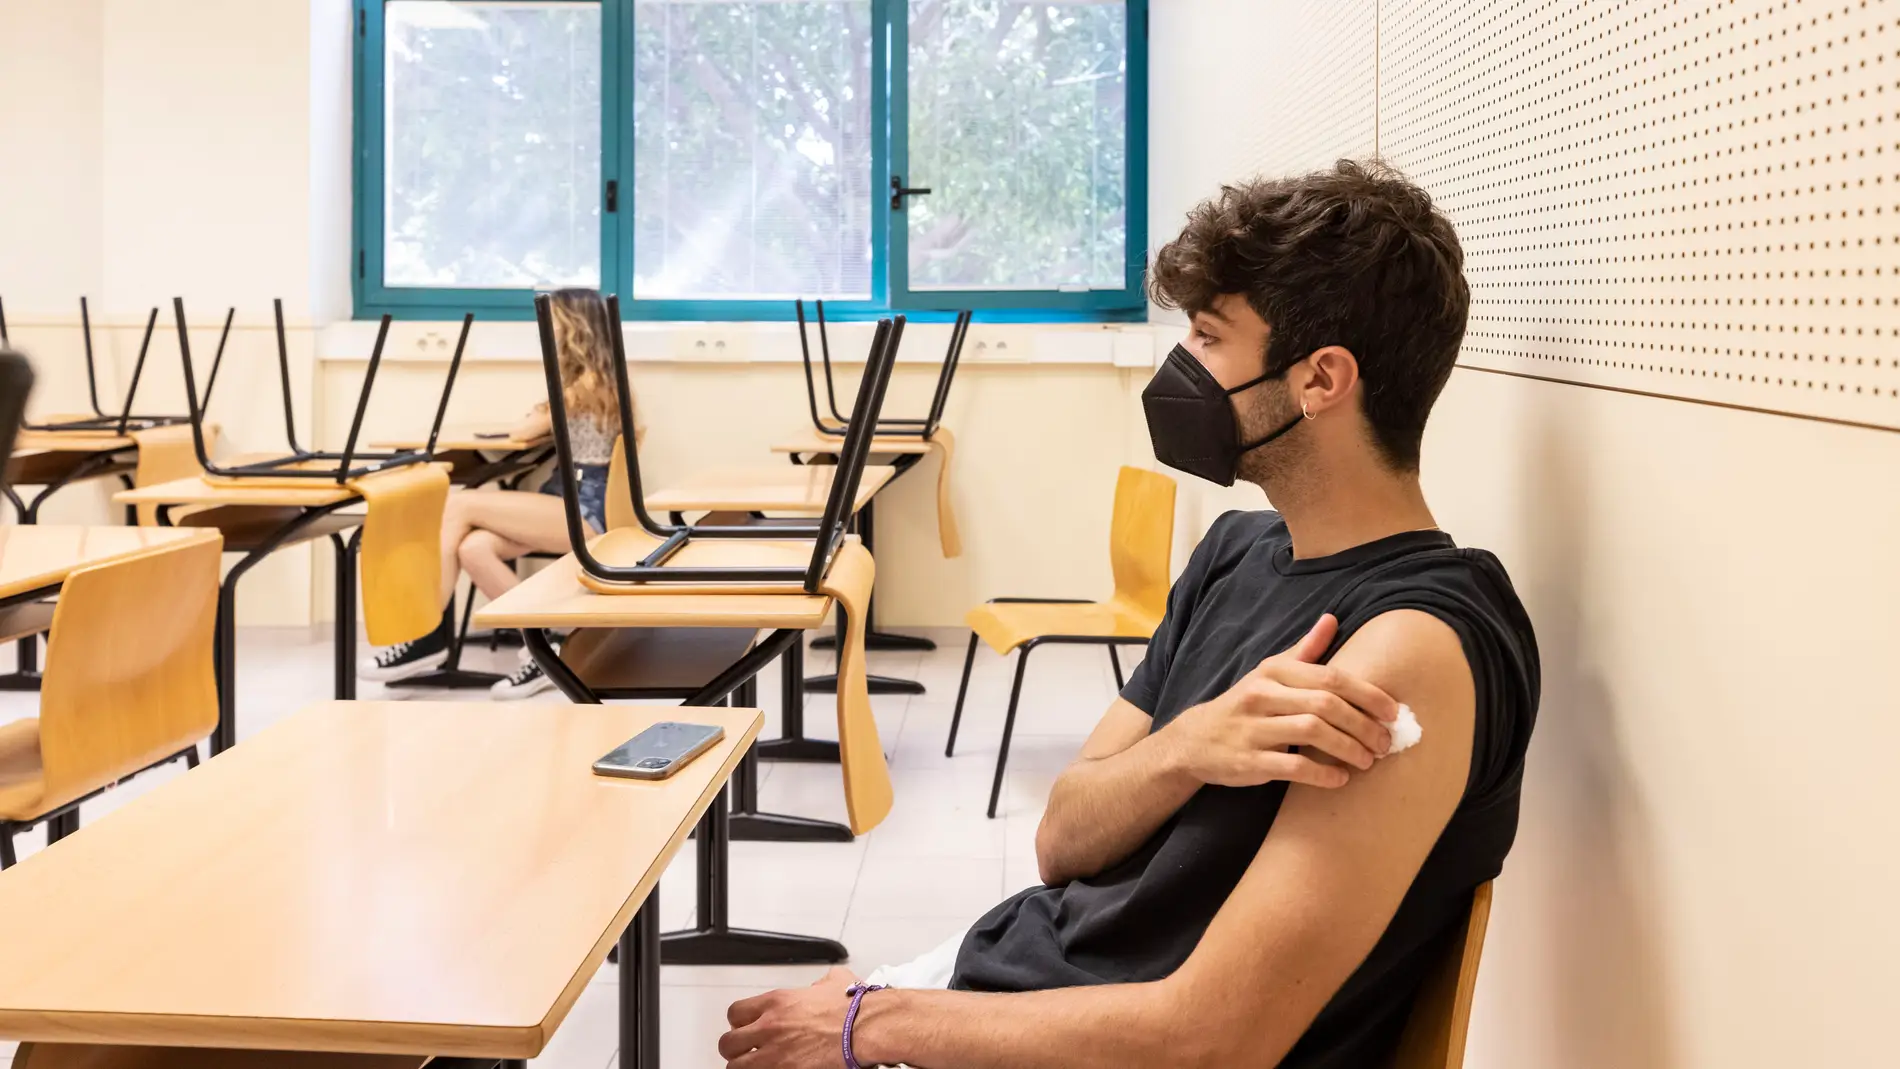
[7, 858]
[1009, 724]
[963, 688]
[191, 757]
[1115, 659]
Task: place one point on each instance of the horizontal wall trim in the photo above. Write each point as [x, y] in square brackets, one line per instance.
[1856, 424]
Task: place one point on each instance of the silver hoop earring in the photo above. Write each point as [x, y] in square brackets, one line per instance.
[1304, 411]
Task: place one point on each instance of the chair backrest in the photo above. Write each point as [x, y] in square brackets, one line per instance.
[16, 385]
[1434, 1036]
[1141, 539]
[128, 676]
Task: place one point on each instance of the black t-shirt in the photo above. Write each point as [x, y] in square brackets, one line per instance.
[1244, 598]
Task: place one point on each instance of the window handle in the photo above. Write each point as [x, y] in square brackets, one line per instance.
[613, 195]
[899, 191]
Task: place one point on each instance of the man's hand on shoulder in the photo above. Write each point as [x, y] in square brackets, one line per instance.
[1244, 737]
[1337, 863]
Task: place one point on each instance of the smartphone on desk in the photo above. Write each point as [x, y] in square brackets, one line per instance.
[660, 750]
[492, 436]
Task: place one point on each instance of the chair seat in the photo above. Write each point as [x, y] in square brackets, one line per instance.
[1007, 625]
[22, 782]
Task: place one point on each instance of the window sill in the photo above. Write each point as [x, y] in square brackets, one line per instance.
[1097, 344]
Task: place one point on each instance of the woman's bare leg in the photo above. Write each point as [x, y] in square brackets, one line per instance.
[487, 558]
[521, 523]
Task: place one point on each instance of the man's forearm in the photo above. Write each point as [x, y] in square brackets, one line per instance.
[1070, 1028]
[1101, 810]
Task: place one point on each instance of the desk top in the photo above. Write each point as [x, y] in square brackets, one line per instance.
[38, 555]
[196, 490]
[800, 490]
[387, 877]
[70, 442]
[554, 597]
[465, 439]
[810, 441]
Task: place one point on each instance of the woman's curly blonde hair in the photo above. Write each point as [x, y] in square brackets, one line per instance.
[586, 356]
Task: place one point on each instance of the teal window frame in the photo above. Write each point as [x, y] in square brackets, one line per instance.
[889, 242]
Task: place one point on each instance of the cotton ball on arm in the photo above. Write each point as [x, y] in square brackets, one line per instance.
[1406, 731]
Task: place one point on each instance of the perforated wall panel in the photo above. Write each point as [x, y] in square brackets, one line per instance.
[1694, 198]
[1317, 82]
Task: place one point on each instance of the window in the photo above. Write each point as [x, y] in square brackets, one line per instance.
[712, 159]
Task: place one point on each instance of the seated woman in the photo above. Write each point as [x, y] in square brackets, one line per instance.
[485, 531]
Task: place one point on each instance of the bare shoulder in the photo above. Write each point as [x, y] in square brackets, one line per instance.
[1418, 659]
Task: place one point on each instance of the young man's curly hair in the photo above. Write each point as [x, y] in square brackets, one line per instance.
[1357, 257]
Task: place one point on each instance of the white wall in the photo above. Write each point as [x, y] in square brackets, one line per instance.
[51, 142]
[1703, 876]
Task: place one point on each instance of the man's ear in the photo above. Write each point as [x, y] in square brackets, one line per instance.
[1332, 374]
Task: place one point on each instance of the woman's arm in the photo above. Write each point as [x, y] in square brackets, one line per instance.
[534, 426]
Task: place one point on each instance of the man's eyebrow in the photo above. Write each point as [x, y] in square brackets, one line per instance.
[1214, 313]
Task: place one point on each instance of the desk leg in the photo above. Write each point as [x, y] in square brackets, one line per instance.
[345, 637]
[875, 640]
[794, 746]
[750, 825]
[224, 649]
[27, 677]
[224, 652]
[640, 987]
[452, 675]
[715, 941]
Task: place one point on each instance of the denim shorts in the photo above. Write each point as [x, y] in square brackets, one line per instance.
[593, 493]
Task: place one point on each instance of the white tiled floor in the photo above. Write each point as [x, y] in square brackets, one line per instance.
[929, 870]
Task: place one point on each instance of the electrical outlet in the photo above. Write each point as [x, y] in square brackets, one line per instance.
[712, 346]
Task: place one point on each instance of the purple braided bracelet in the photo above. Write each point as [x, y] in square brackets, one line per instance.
[857, 993]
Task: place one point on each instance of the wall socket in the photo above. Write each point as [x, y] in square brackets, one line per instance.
[712, 345]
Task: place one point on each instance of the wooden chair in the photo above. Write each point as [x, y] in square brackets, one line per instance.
[1140, 542]
[1434, 1036]
[128, 686]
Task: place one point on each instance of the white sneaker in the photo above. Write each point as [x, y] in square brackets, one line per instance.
[527, 681]
[405, 659]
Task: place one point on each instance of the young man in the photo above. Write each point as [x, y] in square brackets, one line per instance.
[1235, 873]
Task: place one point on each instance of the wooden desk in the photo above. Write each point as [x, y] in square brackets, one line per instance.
[54, 460]
[475, 460]
[35, 560]
[470, 438]
[811, 442]
[554, 599]
[258, 521]
[417, 878]
[800, 491]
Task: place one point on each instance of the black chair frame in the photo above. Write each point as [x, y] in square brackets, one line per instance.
[889, 427]
[1016, 688]
[350, 464]
[125, 421]
[64, 821]
[827, 535]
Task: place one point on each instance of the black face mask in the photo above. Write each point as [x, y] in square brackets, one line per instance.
[1191, 419]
